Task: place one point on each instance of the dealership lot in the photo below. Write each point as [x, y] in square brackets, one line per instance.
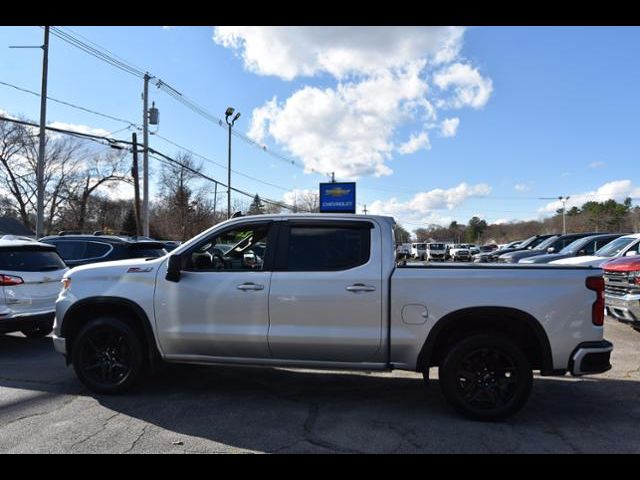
[43, 408]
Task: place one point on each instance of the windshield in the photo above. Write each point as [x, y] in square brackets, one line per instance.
[574, 246]
[614, 248]
[546, 243]
[436, 246]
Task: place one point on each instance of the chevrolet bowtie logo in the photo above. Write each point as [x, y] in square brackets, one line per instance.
[338, 192]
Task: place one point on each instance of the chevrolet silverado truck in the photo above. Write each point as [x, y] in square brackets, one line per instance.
[324, 291]
[622, 289]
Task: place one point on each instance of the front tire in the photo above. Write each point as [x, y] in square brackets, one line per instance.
[108, 356]
[486, 377]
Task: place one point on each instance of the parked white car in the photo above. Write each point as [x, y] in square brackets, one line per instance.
[627, 245]
[436, 251]
[30, 274]
[346, 306]
[460, 252]
[419, 251]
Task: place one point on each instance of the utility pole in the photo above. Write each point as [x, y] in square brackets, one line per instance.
[145, 155]
[230, 124]
[136, 183]
[333, 177]
[564, 213]
[41, 145]
[365, 209]
[215, 200]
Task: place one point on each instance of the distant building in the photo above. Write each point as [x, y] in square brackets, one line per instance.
[11, 226]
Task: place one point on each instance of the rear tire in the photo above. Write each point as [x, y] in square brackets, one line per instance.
[486, 377]
[108, 355]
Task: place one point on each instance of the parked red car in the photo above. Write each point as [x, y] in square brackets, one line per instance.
[622, 288]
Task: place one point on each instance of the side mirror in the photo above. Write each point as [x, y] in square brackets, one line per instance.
[632, 253]
[551, 250]
[174, 266]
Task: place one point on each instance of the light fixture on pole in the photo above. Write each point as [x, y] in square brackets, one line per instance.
[228, 113]
[564, 212]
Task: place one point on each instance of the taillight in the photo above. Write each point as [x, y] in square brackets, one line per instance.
[9, 280]
[597, 310]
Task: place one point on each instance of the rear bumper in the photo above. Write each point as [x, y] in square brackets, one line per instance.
[590, 358]
[624, 307]
[26, 322]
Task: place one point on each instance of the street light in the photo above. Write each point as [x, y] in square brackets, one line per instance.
[228, 113]
[564, 211]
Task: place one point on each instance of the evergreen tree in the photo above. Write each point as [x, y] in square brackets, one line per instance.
[256, 207]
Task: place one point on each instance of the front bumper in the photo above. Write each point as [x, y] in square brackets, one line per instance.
[624, 307]
[590, 358]
[26, 322]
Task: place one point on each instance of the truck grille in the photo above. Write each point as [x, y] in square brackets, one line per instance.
[618, 283]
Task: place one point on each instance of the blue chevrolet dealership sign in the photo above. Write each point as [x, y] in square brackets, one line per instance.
[338, 197]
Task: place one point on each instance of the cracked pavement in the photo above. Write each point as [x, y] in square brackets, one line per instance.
[197, 409]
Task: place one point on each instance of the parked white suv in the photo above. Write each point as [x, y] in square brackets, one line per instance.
[30, 274]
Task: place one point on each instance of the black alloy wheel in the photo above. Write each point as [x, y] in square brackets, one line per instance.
[107, 356]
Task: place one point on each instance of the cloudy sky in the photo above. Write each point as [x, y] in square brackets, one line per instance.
[435, 123]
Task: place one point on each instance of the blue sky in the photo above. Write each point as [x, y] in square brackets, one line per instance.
[540, 112]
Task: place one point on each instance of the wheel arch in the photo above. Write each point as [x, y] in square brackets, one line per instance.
[517, 324]
[92, 307]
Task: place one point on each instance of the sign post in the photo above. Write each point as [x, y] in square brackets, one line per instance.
[338, 197]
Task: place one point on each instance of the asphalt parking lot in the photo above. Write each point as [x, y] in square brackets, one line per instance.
[195, 409]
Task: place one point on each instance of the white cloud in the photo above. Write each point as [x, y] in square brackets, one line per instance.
[470, 89]
[382, 79]
[449, 127]
[415, 143]
[500, 221]
[617, 190]
[168, 27]
[289, 52]
[597, 164]
[79, 128]
[522, 187]
[297, 194]
[423, 206]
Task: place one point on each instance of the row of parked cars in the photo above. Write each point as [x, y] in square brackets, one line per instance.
[617, 254]
[462, 252]
[31, 271]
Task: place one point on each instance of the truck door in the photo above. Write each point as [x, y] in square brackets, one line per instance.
[219, 306]
[325, 302]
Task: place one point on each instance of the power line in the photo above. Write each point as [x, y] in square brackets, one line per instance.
[69, 104]
[156, 154]
[109, 57]
[206, 159]
[98, 53]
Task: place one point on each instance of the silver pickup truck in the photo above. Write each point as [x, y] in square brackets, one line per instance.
[324, 291]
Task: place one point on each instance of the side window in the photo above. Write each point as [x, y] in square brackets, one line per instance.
[70, 249]
[592, 246]
[240, 249]
[96, 249]
[314, 248]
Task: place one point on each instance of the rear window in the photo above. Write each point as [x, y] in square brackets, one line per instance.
[30, 260]
[322, 248]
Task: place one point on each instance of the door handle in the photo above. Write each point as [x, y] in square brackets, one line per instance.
[360, 287]
[249, 286]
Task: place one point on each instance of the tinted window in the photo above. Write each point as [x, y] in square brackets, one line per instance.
[327, 248]
[145, 251]
[96, 249]
[30, 260]
[70, 249]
